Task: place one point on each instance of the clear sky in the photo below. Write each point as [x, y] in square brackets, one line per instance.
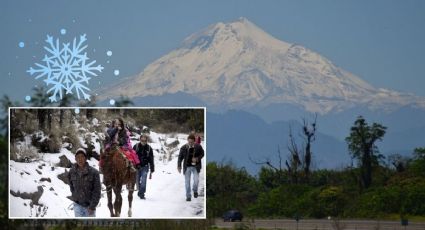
[383, 42]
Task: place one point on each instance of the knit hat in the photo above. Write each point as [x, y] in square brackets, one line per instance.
[81, 151]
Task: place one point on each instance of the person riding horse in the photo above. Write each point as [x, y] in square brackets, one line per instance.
[117, 166]
[119, 136]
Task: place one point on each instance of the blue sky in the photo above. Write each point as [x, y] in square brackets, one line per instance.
[380, 41]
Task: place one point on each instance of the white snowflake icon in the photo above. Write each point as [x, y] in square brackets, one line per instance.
[66, 68]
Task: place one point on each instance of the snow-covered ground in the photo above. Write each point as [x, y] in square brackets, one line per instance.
[165, 195]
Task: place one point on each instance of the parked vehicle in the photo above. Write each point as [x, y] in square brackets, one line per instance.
[232, 215]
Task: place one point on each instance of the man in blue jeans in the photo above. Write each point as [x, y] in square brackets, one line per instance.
[84, 183]
[190, 155]
[145, 154]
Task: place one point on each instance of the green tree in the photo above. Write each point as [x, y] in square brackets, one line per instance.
[271, 178]
[88, 103]
[41, 99]
[3, 178]
[6, 102]
[229, 187]
[419, 153]
[283, 201]
[399, 162]
[66, 101]
[123, 102]
[417, 166]
[332, 200]
[361, 145]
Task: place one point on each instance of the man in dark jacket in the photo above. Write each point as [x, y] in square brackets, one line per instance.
[145, 154]
[190, 155]
[85, 186]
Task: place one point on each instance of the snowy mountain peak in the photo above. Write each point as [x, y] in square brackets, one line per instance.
[238, 65]
[239, 31]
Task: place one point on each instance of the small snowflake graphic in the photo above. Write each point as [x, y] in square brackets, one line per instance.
[66, 68]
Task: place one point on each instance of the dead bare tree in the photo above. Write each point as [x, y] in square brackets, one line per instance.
[299, 165]
[294, 159]
[278, 170]
[268, 163]
[299, 161]
[309, 132]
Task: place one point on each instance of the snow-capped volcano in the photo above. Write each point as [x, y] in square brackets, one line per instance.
[238, 65]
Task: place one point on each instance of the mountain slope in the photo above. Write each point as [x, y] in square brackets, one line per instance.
[237, 65]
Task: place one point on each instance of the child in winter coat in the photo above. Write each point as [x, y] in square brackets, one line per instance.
[119, 135]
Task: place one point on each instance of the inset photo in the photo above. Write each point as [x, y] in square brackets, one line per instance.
[142, 163]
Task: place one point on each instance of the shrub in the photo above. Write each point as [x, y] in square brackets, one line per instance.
[23, 153]
[281, 201]
[72, 138]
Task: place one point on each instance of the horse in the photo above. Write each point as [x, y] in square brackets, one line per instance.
[116, 173]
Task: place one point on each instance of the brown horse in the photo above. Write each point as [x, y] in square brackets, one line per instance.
[116, 173]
